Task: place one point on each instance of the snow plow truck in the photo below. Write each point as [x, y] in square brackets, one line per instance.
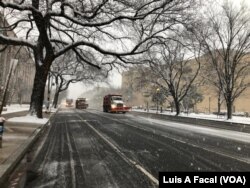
[114, 103]
[81, 103]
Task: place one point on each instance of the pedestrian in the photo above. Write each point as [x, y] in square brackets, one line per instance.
[2, 120]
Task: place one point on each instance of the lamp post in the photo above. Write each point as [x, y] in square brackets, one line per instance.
[13, 64]
[209, 101]
[146, 94]
[157, 99]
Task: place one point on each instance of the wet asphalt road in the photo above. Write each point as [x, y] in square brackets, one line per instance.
[93, 149]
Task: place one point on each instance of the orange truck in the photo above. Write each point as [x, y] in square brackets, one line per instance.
[114, 103]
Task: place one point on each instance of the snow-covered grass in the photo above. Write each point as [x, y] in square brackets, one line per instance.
[236, 119]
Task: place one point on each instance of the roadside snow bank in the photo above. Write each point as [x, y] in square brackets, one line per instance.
[29, 119]
[16, 108]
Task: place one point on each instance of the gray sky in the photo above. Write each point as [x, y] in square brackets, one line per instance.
[75, 90]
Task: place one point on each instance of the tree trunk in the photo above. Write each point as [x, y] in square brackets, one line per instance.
[229, 109]
[219, 106]
[56, 97]
[37, 97]
[177, 107]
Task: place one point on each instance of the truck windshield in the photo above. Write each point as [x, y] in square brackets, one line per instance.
[117, 98]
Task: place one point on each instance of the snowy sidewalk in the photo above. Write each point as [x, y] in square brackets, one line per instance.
[21, 130]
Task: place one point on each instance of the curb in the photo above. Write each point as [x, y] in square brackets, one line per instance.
[9, 165]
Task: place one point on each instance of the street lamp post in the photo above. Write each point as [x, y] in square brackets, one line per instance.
[147, 106]
[13, 64]
[157, 99]
[209, 102]
[146, 94]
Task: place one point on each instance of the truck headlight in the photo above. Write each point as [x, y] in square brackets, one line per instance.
[113, 105]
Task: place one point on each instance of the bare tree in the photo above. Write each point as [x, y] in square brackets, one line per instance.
[111, 31]
[192, 98]
[225, 38]
[209, 76]
[67, 69]
[172, 71]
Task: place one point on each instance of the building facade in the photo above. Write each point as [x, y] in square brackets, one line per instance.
[21, 81]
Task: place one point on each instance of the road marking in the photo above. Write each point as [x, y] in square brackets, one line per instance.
[72, 162]
[122, 155]
[74, 121]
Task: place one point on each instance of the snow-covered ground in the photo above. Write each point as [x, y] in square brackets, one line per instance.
[15, 108]
[25, 119]
[29, 119]
[236, 119]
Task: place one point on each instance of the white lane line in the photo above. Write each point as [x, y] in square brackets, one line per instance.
[122, 155]
[72, 162]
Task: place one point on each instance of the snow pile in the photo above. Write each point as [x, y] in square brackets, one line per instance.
[28, 119]
[25, 119]
[16, 108]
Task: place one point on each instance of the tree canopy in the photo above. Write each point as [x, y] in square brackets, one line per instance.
[105, 32]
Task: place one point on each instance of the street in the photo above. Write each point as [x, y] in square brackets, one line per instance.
[90, 148]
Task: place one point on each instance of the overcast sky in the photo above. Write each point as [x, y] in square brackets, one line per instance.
[75, 90]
